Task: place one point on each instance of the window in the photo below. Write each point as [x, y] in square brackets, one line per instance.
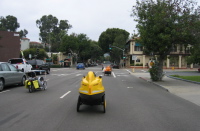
[187, 50]
[5, 67]
[12, 68]
[138, 60]
[16, 61]
[174, 48]
[138, 47]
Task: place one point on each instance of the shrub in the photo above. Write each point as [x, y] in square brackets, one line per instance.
[55, 66]
[154, 72]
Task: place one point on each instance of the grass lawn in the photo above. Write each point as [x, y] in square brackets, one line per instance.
[192, 78]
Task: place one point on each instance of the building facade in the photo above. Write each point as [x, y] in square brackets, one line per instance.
[176, 59]
[9, 45]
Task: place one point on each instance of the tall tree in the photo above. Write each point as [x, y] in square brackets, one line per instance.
[114, 37]
[33, 51]
[9, 23]
[23, 33]
[51, 30]
[80, 46]
[162, 24]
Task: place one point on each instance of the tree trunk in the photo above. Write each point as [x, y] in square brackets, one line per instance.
[160, 69]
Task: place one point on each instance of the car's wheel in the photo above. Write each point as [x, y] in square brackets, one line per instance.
[23, 81]
[47, 71]
[1, 84]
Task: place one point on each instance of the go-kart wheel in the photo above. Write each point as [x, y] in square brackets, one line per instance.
[104, 104]
[45, 85]
[78, 104]
[31, 88]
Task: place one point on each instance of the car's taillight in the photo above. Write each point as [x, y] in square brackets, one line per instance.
[17, 66]
[36, 66]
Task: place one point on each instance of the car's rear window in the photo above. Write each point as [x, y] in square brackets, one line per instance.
[36, 62]
[16, 61]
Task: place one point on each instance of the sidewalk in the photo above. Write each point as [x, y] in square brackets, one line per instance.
[186, 90]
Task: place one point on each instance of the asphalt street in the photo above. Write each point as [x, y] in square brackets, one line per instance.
[132, 104]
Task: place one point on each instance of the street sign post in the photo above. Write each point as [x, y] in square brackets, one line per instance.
[134, 58]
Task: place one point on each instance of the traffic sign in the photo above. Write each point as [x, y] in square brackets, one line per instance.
[134, 57]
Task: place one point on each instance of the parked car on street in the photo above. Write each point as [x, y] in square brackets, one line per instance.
[10, 75]
[80, 66]
[20, 64]
[39, 65]
[115, 66]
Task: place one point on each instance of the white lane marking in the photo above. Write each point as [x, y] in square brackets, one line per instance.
[47, 79]
[66, 74]
[78, 74]
[113, 74]
[143, 71]
[129, 87]
[65, 94]
[4, 91]
[129, 71]
[122, 75]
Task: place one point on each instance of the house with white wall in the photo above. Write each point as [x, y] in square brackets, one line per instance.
[176, 58]
[25, 43]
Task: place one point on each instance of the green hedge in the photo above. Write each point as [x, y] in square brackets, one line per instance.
[55, 66]
[136, 64]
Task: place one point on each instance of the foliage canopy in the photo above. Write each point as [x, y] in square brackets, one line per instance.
[163, 24]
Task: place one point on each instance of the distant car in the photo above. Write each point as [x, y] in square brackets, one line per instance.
[115, 66]
[80, 66]
[39, 65]
[10, 75]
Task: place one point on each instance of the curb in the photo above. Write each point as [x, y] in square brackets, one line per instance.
[155, 84]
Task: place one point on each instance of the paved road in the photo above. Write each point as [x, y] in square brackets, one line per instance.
[132, 104]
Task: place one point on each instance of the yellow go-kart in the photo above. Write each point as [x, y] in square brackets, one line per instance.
[91, 91]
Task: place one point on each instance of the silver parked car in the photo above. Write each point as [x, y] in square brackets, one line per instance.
[10, 75]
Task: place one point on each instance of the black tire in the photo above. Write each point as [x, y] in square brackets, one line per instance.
[78, 104]
[1, 85]
[104, 104]
[23, 81]
[31, 88]
[47, 71]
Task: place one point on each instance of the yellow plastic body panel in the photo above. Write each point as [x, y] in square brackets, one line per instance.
[91, 85]
[26, 84]
[35, 83]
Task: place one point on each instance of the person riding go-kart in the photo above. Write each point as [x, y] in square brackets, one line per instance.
[34, 83]
[107, 70]
[91, 91]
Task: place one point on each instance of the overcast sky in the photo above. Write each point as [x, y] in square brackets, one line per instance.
[90, 17]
